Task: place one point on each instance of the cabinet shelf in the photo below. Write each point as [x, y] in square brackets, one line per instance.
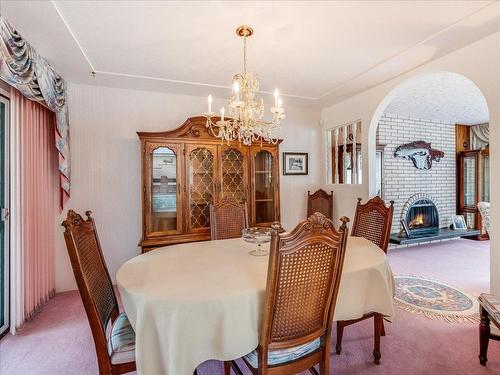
[264, 200]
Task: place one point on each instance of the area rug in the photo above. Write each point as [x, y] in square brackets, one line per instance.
[435, 300]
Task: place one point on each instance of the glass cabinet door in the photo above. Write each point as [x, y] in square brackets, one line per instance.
[165, 199]
[201, 183]
[485, 194]
[233, 174]
[264, 187]
[469, 181]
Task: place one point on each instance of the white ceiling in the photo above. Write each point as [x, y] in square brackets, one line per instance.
[446, 97]
[318, 52]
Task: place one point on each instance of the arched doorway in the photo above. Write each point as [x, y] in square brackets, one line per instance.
[431, 109]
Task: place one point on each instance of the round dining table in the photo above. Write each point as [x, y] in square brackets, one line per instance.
[198, 301]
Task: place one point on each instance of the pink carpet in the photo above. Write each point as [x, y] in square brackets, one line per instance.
[58, 340]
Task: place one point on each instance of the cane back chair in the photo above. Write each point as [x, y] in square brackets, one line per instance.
[114, 338]
[373, 221]
[303, 278]
[227, 219]
[320, 201]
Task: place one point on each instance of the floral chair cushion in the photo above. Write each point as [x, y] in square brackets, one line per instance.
[121, 341]
[275, 357]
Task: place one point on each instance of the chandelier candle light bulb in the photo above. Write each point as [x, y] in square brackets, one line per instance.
[209, 104]
[236, 88]
[276, 97]
[246, 109]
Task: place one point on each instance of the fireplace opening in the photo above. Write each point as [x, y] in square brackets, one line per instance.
[422, 217]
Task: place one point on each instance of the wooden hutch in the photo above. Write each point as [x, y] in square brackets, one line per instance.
[187, 169]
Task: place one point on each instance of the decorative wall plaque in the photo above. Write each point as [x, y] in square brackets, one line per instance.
[420, 153]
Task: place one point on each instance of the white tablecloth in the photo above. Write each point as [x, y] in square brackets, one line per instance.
[193, 302]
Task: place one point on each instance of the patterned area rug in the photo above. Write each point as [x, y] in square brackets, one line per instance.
[435, 300]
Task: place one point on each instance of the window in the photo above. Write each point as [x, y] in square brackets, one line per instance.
[344, 154]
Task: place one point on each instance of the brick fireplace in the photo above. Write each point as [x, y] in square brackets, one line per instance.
[403, 183]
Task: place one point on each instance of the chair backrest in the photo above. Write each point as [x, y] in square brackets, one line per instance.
[484, 210]
[227, 219]
[373, 221]
[321, 202]
[303, 279]
[92, 276]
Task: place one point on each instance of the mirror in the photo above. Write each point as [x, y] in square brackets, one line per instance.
[345, 162]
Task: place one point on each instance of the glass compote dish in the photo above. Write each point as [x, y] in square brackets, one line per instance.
[258, 236]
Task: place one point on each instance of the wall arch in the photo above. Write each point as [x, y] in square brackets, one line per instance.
[385, 102]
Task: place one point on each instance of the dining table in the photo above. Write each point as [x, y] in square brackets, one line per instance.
[200, 301]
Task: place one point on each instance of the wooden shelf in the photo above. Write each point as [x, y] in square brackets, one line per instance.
[264, 200]
[261, 172]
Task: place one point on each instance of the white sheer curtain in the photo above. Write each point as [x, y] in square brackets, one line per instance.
[480, 136]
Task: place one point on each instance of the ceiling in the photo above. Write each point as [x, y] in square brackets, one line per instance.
[313, 51]
[446, 97]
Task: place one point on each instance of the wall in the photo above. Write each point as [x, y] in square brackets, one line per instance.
[478, 62]
[106, 163]
[401, 179]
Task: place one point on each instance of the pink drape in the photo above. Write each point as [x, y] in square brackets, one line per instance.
[38, 189]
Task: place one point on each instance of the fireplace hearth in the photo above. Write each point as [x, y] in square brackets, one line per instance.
[420, 218]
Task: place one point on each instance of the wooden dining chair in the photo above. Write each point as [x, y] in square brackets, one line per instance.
[320, 201]
[227, 219]
[114, 338]
[303, 279]
[373, 221]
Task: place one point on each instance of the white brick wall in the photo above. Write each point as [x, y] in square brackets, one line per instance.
[401, 179]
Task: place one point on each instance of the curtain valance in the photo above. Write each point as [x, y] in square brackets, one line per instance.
[22, 67]
[480, 136]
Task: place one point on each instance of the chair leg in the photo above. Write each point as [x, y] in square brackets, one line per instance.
[484, 337]
[227, 368]
[382, 332]
[377, 332]
[340, 333]
[324, 364]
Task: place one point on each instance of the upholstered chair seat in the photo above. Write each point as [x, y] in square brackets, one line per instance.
[276, 357]
[121, 341]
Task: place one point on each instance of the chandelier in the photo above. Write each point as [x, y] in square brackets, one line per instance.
[246, 110]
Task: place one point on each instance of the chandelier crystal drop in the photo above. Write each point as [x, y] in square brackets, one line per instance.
[246, 110]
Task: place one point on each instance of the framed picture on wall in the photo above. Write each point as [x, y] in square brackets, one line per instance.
[295, 163]
[458, 222]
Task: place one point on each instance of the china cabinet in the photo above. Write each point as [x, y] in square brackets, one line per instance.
[473, 186]
[187, 169]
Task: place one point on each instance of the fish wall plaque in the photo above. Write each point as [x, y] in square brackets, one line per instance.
[420, 153]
